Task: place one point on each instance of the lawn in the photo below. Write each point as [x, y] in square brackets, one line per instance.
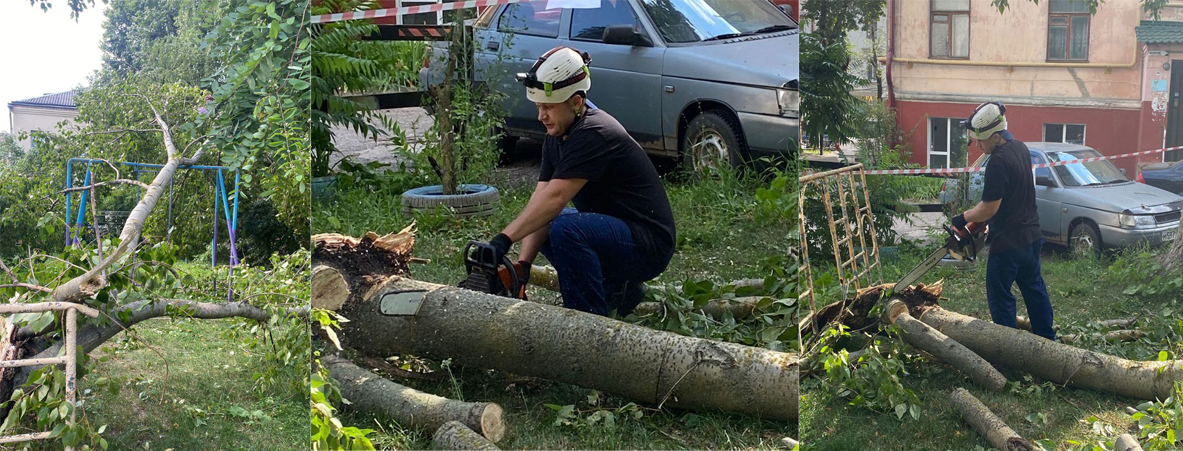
[1082, 291]
[718, 239]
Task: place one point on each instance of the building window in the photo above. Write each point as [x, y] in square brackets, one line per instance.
[946, 142]
[1064, 133]
[1068, 30]
[949, 29]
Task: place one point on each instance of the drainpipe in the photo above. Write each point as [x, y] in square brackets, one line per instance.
[890, 52]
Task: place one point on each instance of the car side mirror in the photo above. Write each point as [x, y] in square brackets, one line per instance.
[625, 35]
[1047, 181]
[787, 9]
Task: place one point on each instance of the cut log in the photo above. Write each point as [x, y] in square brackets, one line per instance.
[1121, 323]
[329, 289]
[454, 435]
[788, 444]
[544, 277]
[1111, 336]
[1127, 442]
[565, 345]
[741, 307]
[1056, 362]
[371, 394]
[1023, 323]
[944, 348]
[987, 424]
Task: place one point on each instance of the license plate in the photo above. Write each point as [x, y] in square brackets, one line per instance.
[1168, 235]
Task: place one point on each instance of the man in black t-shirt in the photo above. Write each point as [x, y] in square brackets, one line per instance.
[621, 231]
[1008, 203]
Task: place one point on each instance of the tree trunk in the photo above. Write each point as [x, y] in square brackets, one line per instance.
[371, 394]
[454, 435]
[1111, 336]
[986, 423]
[1127, 442]
[947, 350]
[1056, 362]
[1172, 260]
[575, 347]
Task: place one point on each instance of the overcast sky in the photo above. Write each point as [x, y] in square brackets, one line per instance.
[46, 52]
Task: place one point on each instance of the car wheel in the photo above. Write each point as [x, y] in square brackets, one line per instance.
[1084, 240]
[712, 140]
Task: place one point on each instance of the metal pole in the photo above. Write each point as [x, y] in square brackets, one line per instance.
[69, 184]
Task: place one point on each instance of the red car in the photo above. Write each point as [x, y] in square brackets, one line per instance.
[790, 6]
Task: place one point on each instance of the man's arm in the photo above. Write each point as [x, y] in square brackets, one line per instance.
[983, 211]
[545, 204]
[532, 243]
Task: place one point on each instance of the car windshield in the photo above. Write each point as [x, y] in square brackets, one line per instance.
[1086, 174]
[681, 21]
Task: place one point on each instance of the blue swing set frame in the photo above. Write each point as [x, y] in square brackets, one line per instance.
[74, 229]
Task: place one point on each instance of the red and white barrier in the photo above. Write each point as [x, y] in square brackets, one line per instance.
[390, 12]
[947, 171]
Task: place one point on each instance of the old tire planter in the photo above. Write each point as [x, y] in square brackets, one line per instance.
[472, 200]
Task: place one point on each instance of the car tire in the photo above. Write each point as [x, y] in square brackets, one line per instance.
[710, 140]
[473, 200]
[1084, 240]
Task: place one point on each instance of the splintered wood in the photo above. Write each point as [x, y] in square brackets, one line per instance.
[372, 255]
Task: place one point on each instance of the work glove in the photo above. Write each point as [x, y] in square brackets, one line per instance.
[959, 222]
[501, 245]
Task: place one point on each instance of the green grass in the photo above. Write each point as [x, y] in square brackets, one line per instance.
[189, 382]
[1081, 291]
[718, 239]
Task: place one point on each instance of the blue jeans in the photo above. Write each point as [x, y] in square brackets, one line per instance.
[1019, 265]
[600, 267]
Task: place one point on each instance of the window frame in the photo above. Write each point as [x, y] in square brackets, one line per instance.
[950, 122]
[932, 13]
[1068, 36]
[505, 9]
[571, 27]
[1084, 132]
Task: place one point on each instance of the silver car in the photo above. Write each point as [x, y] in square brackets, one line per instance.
[1089, 206]
[702, 81]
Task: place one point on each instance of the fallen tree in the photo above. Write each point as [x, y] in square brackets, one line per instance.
[372, 394]
[104, 277]
[563, 345]
[942, 347]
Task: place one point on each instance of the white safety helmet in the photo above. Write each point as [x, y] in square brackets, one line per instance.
[557, 75]
[986, 120]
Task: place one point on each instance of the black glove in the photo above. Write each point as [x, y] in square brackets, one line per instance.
[501, 245]
[959, 221]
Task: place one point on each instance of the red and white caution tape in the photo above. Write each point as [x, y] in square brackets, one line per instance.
[1041, 165]
[406, 10]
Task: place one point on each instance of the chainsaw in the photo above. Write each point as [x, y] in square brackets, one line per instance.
[487, 275]
[962, 244]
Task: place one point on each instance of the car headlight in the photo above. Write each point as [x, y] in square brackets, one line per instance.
[1129, 221]
[789, 101]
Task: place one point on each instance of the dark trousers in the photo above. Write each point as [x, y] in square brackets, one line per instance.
[1020, 265]
[600, 266]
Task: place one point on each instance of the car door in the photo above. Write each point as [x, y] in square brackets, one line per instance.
[626, 80]
[516, 37]
[1049, 202]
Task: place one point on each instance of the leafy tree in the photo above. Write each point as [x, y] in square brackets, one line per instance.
[343, 63]
[159, 39]
[260, 99]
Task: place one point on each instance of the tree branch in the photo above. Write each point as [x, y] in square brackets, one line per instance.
[27, 285]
